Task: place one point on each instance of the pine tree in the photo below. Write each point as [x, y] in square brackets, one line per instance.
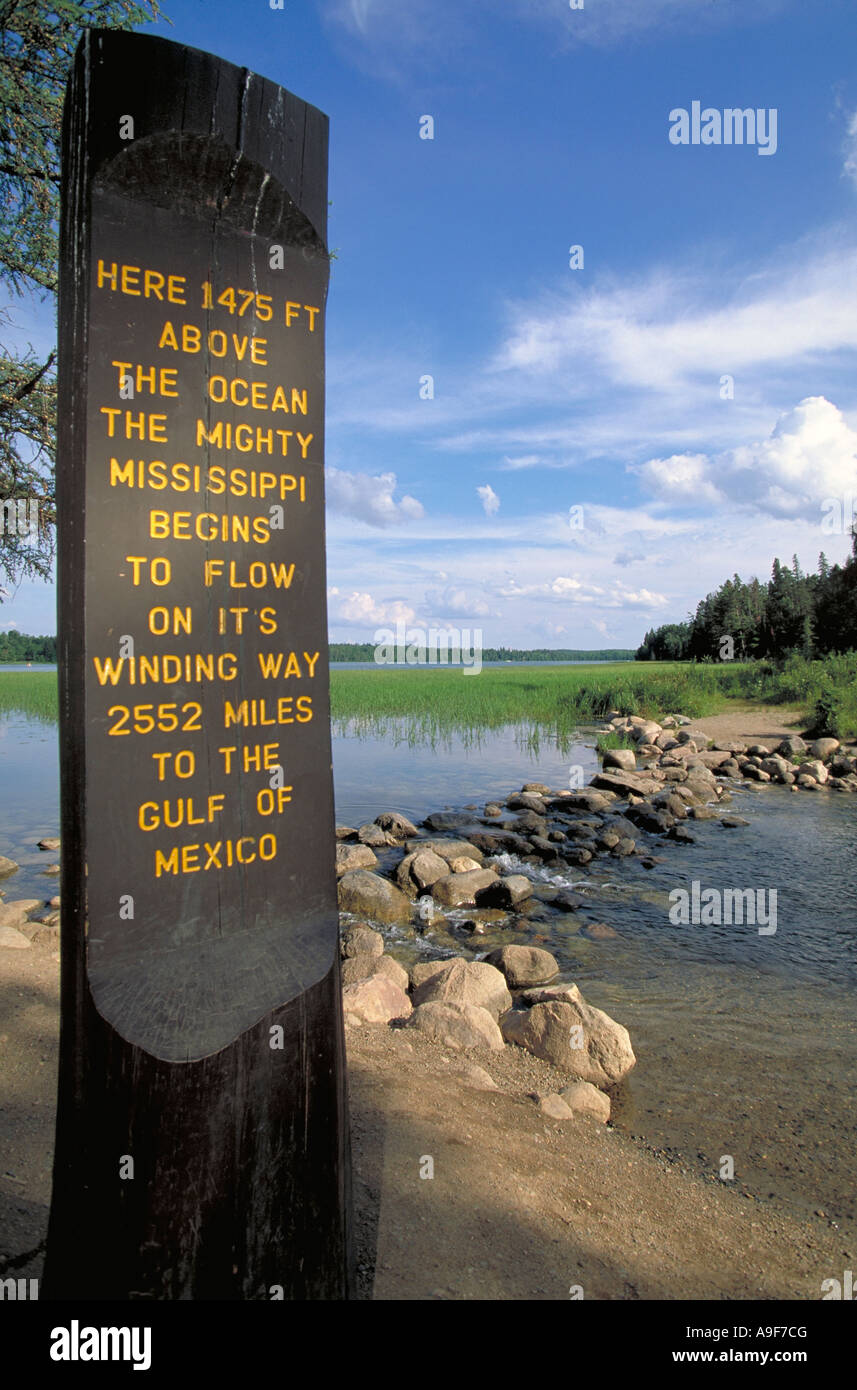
[37, 44]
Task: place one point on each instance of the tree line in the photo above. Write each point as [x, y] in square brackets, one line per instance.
[814, 614]
[22, 646]
[365, 651]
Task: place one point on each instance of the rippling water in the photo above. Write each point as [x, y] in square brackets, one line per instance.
[746, 1044]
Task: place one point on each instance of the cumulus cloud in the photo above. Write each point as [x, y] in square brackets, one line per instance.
[489, 498]
[364, 609]
[810, 454]
[679, 478]
[452, 602]
[369, 498]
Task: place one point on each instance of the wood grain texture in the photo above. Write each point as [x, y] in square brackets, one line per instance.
[240, 1150]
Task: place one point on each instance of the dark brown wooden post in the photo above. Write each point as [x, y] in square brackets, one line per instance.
[202, 1144]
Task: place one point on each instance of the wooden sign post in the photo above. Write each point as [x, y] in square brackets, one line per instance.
[202, 1145]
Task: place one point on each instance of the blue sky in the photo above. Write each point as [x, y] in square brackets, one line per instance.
[600, 388]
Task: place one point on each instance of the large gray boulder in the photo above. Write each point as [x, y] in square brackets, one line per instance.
[460, 1026]
[625, 783]
[623, 758]
[364, 966]
[459, 890]
[575, 1037]
[420, 870]
[359, 941]
[375, 1000]
[369, 895]
[446, 849]
[460, 981]
[524, 965]
[505, 892]
[350, 857]
[396, 824]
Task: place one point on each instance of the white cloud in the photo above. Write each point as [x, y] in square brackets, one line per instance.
[513, 465]
[659, 332]
[850, 165]
[458, 603]
[679, 478]
[369, 498]
[363, 608]
[489, 498]
[810, 454]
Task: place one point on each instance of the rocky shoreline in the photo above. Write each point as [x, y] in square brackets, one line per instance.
[456, 873]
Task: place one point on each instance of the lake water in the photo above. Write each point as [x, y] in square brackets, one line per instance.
[746, 1044]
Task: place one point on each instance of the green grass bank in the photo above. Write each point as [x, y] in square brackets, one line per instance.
[553, 700]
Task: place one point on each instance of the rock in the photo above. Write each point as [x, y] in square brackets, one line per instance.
[599, 931]
[722, 746]
[55, 902]
[555, 1108]
[809, 784]
[526, 801]
[463, 865]
[346, 832]
[776, 767]
[448, 820]
[824, 748]
[395, 824]
[623, 783]
[16, 914]
[458, 890]
[546, 993]
[493, 810]
[759, 750]
[365, 965]
[681, 835]
[360, 940]
[52, 870]
[457, 1025]
[790, 745]
[420, 870]
[461, 981]
[372, 835]
[814, 767]
[553, 1031]
[623, 758]
[702, 813]
[445, 849]
[590, 801]
[505, 892]
[582, 1098]
[712, 758]
[644, 730]
[476, 1077]
[524, 965]
[623, 849]
[350, 857]
[647, 818]
[49, 842]
[367, 895]
[13, 939]
[376, 1000]
[756, 774]
[7, 866]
